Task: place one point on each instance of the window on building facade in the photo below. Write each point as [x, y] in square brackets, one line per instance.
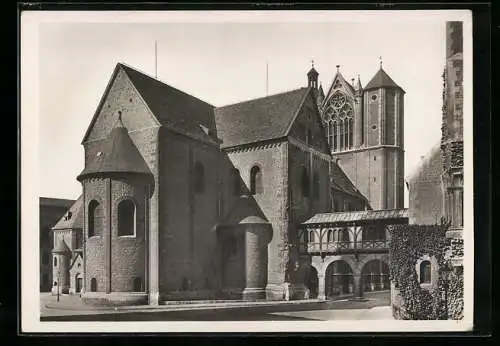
[126, 218]
[55, 261]
[344, 234]
[311, 236]
[138, 284]
[425, 272]
[329, 237]
[316, 185]
[304, 182]
[199, 177]
[309, 137]
[256, 181]
[339, 115]
[93, 285]
[92, 218]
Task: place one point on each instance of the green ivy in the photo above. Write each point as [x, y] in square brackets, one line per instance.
[408, 244]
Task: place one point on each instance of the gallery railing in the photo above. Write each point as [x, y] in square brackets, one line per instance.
[344, 246]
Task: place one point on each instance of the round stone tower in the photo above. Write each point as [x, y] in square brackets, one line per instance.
[116, 190]
[61, 257]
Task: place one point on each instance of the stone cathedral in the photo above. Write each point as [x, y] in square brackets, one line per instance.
[183, 200]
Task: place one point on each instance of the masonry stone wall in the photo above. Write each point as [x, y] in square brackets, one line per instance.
[273, 162]
[426, 191]
[128, 252]
[188, 218]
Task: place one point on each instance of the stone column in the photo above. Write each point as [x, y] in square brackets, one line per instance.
[358, 286]
[321, 286]
[255, 262]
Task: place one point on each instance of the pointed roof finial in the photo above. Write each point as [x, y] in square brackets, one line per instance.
[312, 63]
[337, 66]
[380, 61]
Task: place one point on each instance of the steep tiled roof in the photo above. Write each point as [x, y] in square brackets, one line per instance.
[56, 202]
[61, 246]
[340, 181]
[117, 154]
[258, 120]
[362, 215]
[244, 210]
[381, 80]
[73, 217]
[173, 107]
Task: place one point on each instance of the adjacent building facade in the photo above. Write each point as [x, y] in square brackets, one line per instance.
[51, 210]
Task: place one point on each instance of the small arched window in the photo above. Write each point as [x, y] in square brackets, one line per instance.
[55, 261]
[256, 180]
[126, 218]
[92, 218]
[316, 185]
[305, 236]
[329, 237]
[345, 234]
[199, 177]
[425, 272]
[93, 285]
[311, 236]
[236, 182]
[304, 180]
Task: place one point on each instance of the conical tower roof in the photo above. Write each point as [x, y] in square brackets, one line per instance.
[117, 154]
[381, 80]
[61, 246]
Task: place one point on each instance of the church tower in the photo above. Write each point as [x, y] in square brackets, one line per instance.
[365, 132]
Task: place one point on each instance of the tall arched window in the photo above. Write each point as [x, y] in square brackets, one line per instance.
[199, 177]
[350, 134]
[329, 237]
[126, 218]
[341, 133]
[92, 218]
[55, 261]
[236, 182]
[93, 285]
[304, 181]
[340, 113]
[331, 132]
[256, 181]
[335, 135]
[425, 272]
[316, 185]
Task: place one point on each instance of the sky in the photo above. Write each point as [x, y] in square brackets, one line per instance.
[224, 62]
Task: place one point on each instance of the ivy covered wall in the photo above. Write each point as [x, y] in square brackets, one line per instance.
[411, 300]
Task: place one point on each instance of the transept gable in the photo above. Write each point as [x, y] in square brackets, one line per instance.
[120, 96]
[308, 127]
[339, 84]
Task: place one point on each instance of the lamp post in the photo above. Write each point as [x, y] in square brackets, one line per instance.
[58, 283]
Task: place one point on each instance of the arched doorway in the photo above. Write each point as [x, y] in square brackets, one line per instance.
[375, 275]
[339, 280]
[311, 281]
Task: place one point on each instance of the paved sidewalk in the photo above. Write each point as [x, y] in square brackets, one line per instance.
[72, 305]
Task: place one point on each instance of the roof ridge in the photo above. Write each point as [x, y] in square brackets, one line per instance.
[156, 80]
[262, 98]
